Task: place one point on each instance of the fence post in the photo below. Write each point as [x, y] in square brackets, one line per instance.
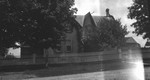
[34, 58]
[120, 53]
[130, 54]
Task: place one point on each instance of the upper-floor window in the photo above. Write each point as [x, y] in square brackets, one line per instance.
[68, 48]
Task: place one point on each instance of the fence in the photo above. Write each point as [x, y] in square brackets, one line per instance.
[146, 53]
[75, 58]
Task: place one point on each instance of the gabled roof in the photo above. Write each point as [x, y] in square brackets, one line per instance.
[88, 19]
[130, 40]
[80, 19]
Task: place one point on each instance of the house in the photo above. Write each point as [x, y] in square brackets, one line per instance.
[70, 43]
[90, 24]
[131, 43]
[73, 41]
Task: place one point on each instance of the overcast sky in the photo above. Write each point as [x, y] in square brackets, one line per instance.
[118, 8]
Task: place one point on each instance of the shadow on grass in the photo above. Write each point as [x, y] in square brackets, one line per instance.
[68, 69]
[63, 69]
[20, 68]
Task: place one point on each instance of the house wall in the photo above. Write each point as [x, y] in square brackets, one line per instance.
[72, 40]
[132, 45]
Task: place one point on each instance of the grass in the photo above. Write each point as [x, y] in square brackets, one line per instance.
[117, 75]
[147, 73]
[66, 69]
[47, 72]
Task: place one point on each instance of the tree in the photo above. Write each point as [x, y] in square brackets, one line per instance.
[109, 33]
[38, 23]
[140, 12]
[3, 51]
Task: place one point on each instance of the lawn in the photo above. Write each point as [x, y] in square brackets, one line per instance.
[67, 69]
[117, 75]
[46, 72]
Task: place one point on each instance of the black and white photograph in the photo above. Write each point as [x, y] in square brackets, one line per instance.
[74, 39]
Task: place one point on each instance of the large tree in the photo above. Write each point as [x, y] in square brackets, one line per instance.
[38, 23]
[109, 33]
[140, 12]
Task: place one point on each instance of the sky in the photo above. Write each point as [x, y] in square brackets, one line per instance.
[118, 8]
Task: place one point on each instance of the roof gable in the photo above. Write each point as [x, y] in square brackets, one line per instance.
[80, 19]
[88, 20]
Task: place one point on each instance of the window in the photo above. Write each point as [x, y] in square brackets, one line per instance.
[69, 48]
[68, 45]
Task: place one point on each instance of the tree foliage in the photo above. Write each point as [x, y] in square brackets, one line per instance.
[38, 23]
[140, 12]
[3, 51]
[109, 33]
[90, 38]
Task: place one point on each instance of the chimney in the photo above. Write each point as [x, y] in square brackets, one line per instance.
[107, 12]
